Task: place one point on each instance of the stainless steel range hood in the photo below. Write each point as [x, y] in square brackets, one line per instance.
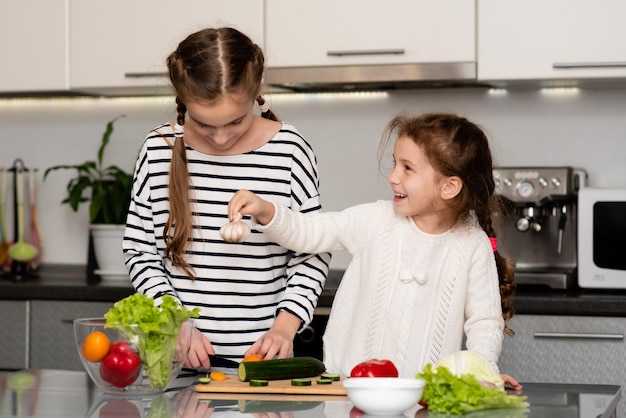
[372, 77]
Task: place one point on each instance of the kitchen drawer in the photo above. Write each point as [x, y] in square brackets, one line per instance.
[13, 342]
[52, 344]
[566, 349]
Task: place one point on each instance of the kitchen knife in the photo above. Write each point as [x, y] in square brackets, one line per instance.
[218, 361]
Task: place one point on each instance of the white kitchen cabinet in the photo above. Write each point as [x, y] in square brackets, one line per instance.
[557, 40]
[33, 46]
[117, 45]
[13, 342]
[566, 349]
[328, 32]
[52, 343]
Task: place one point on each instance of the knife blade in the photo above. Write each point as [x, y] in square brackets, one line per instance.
[218, 361]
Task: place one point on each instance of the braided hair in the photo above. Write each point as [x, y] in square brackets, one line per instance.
[457, 147]
[205, 66]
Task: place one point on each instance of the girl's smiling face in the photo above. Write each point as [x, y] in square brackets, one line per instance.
[217, 128]
[417, 186]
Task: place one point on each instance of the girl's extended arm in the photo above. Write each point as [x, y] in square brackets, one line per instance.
[248, 203]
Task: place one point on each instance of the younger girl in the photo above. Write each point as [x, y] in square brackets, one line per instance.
[425, 270]
[253, 296]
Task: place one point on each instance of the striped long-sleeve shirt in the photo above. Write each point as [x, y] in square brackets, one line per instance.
[239, 287]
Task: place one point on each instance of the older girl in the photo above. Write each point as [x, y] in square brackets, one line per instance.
[253, 296]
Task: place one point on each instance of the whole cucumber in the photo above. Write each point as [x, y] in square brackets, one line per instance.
[287, 368]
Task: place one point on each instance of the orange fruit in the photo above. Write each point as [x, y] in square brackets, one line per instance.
[96, 346]
[252, 357]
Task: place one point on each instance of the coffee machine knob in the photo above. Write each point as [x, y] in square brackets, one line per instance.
[522, 224]
[525, 189]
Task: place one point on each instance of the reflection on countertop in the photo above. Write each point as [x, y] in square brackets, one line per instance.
[62, 393]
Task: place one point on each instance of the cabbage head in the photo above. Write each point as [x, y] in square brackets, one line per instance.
[471, 362]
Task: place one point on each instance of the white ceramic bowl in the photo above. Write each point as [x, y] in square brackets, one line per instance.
[384, 395]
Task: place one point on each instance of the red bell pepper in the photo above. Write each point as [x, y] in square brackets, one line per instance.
[375, 368]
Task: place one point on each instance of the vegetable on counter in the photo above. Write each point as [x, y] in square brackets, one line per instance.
[277, 369]
[472, 362]
[448, 393]
[152, 329]
[121, 366]
[375, 368]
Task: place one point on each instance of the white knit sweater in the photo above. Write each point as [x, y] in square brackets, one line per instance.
[406, 296]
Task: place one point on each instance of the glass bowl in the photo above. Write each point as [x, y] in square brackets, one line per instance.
[122, 369]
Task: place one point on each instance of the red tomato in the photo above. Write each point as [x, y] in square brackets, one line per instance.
[356, 412]
[375, 368]
[121, 366]
[119, 408]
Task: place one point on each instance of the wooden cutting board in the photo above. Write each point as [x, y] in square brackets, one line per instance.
[234, 385]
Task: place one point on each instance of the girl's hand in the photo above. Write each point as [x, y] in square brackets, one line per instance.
[511, 383]
[247, 203]
[199, 351]
[277, 342]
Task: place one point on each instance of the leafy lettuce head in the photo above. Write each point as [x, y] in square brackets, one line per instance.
[471, 362]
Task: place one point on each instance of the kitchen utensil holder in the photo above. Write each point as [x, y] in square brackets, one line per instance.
[19, 270]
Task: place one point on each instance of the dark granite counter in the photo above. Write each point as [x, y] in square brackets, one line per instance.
[59, 282]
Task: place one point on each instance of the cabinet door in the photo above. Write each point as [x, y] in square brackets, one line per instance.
[52, 343]
[117, 44]
[328, 32]
[566, 349]
[33, 45]
[551, 40]
[13, 326]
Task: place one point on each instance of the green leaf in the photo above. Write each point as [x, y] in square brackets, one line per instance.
[447, 393]
[153, 329]
[108, 189]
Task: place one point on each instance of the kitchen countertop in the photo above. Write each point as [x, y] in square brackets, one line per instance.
[61, 282]
[66, 393]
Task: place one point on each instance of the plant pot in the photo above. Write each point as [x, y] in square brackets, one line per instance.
[107, 244]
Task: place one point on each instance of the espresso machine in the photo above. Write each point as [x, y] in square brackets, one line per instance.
[538, 225]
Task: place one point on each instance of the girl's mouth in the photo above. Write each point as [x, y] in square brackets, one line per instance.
[398, 196]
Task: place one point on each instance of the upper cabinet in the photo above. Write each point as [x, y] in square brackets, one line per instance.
[328, 32]
[555, 41]
[346, 45]
[121, 46]
[33, 46]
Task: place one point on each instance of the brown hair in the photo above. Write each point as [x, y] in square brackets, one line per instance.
[457, 147]
[204, 67]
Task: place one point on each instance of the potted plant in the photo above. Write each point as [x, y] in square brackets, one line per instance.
[107, 189]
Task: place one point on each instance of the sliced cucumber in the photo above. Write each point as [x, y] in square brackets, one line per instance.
[300, 382]
[204, 380]
[325, 382]
[258, 382]
[331, 376]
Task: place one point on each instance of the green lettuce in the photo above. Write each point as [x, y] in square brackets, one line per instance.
[448, 393]
[152, 329]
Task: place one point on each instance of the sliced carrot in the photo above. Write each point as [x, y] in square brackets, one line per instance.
[218, 376]
[252, 357]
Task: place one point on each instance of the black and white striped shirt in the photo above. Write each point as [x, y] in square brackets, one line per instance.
[239, 287]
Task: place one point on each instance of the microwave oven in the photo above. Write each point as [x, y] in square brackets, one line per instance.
[602, 238]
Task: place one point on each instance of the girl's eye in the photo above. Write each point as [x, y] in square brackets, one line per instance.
[407, 168]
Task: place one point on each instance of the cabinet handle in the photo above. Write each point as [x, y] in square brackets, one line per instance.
[578, 335]
[365, 52]
[145, 75]
[575, 65]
